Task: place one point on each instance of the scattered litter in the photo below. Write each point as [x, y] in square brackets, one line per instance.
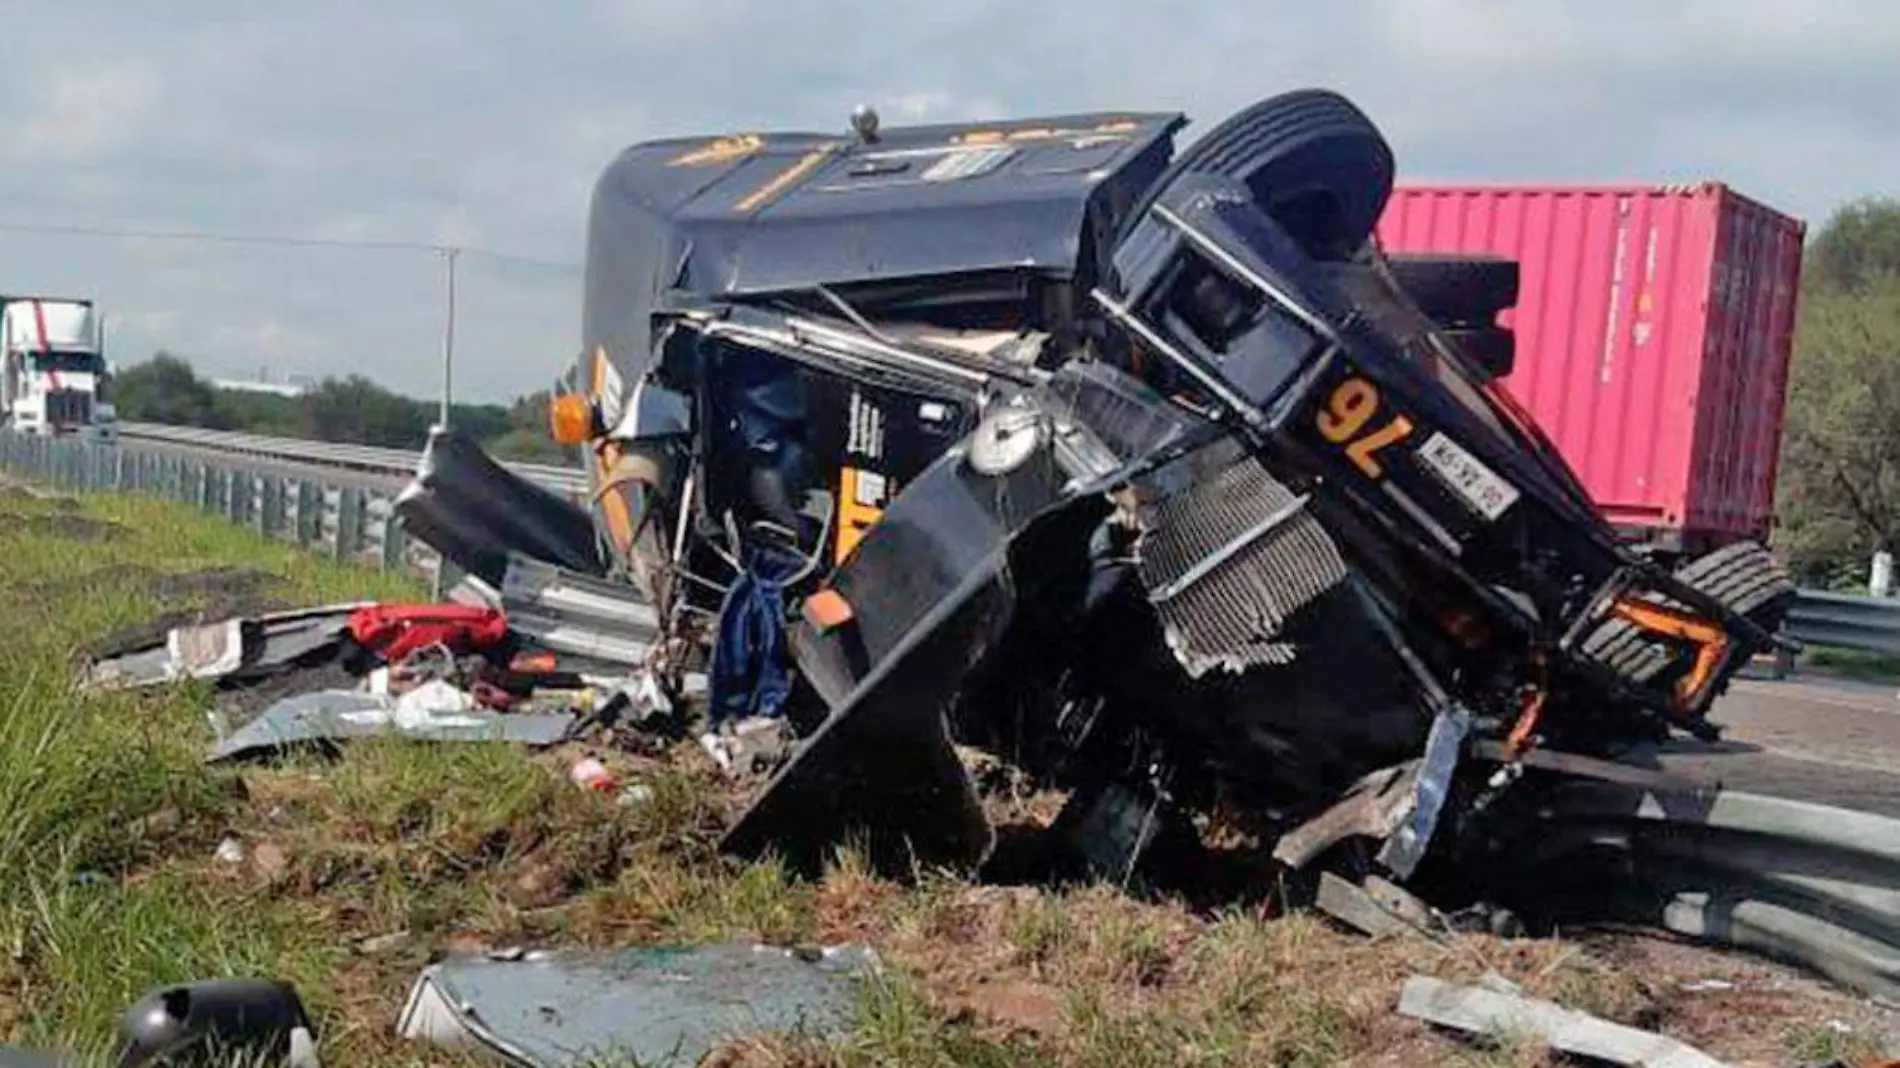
[749, 746]
[389, 943]
[335, 716]
[230, 851]
[590, 774]
[651, 1005]
[1489, 1013]
[1705, 986]
[637, 794]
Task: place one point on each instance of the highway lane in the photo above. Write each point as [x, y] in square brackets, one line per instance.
[1829, 741]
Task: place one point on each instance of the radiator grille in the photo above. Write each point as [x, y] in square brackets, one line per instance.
[68, 407]
[1233, 614]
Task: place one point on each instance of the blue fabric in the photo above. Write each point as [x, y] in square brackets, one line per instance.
[751, 672]
[762, 402]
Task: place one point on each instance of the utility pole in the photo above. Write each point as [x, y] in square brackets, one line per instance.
[448, 332]
[448, 377]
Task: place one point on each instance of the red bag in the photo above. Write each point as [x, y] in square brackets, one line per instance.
[393, 631]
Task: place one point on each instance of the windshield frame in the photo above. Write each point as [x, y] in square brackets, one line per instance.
[1306, 340]
[65, 362]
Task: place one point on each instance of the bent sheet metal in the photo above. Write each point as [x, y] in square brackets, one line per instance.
[656, 1005]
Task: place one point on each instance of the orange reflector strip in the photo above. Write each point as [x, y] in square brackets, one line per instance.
[827, 610]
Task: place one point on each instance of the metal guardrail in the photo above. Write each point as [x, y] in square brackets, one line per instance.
[368, 458]
[1845, 621]
[338, 500]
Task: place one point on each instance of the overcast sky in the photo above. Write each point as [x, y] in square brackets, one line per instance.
[485, 123]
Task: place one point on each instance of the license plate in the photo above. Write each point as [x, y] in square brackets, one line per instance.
[1468, 477]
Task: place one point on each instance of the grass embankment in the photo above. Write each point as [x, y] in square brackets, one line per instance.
[357, 870]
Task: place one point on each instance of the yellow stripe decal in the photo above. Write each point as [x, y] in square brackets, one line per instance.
[783, 181]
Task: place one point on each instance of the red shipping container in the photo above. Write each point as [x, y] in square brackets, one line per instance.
[1654, 330]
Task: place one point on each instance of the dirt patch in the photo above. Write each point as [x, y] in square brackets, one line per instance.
[1748, 1008]
[68, 526]
[215, 594]
[1010, 1006]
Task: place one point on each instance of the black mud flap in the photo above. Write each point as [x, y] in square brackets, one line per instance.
[475, 512]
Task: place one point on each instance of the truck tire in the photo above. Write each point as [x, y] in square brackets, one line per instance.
[1458, 290]
[1312, 160]
[1745, 576]
[1492, 348]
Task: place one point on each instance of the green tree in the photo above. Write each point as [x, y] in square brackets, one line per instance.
[165, 389]
[1860, 243]
[1840, 476]
[355, 409]
[1839, 484]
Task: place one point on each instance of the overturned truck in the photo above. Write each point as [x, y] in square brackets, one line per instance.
[1145, 471]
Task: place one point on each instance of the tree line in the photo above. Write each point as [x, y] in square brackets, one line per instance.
[1839, 483]
[353, 409]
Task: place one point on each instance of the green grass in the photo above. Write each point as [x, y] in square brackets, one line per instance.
[109, 883]
[1854, 664]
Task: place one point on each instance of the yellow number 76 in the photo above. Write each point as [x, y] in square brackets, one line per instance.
[1351, 406]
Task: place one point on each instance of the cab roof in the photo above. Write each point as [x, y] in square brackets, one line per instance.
[751, 213]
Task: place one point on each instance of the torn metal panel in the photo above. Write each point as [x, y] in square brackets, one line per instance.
[932, 588]
[654, 1005]
[1491, 1013]
[475, 512]
[1374, 808]
[335, 716]
[567, 612]
[1407, 845]
[232, 650]
[571, 595]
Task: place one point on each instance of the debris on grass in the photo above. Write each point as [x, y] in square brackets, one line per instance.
[1492, 1013]
[653, 1005]
[357, 871]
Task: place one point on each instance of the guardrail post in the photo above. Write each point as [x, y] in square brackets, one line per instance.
[309, 513]
[349, 522]
[395, 546]
[270, 506]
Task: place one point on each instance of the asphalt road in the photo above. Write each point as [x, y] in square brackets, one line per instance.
[1830, 741]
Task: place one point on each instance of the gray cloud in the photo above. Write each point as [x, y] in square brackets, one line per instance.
[486, 123]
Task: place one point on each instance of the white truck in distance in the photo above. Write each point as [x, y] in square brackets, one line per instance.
[55, 368]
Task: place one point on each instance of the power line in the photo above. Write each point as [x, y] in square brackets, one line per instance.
[226, 238]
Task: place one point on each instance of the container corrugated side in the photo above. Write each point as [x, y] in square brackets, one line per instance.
[1665, 399]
